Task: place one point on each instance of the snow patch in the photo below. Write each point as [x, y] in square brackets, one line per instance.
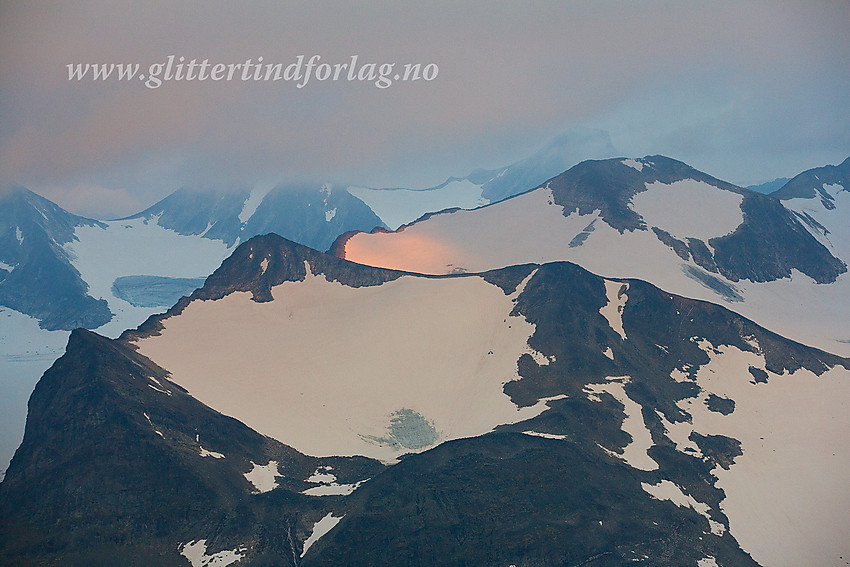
[196, 553]
[333, 489]
[608, 352]
[206, 230]
[635, 453]
[204, 453]
[320, 528]
[832, 189]
[709, 561]
[155, 430]
[252, 203]
[521, 287]
[264, 265]
[613, 310]
[701, 210]
[151, 386]
[638, 165]
[330, 214]
[19, 235]
[545, 435]
[323, 475]
[7, 267]
[752, 341]
[666, 490]
[540, 358]
[680, 375]
[330, 487]
[263, 476]
[679, 433]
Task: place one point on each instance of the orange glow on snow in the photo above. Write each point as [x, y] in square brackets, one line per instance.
[405, 250]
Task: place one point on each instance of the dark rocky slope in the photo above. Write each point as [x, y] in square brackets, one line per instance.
[110, 471]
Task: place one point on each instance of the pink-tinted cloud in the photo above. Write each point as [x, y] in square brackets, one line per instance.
[700, 81]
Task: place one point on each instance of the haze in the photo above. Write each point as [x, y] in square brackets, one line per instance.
[746, 91]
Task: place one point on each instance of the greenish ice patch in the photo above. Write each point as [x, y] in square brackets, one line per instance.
[408, 429]
[153, 291]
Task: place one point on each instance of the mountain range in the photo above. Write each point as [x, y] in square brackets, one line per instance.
[111, 275]
[311, 214]
[659, 220]
[78, 252]
[581, 373]
[531, 415]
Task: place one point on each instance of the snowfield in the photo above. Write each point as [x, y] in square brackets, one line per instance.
[135, 248]
[124, 248]
[532, 228]
[26, 351]
[635, 453]
[836, 221]
[474, 241]
[335, 370]
[320, 528]
[787, 495]
[196, 553]
[689, 208]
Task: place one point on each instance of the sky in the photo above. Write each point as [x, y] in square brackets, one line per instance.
[744, 90]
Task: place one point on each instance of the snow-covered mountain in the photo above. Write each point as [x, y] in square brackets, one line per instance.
[37, 276]
[144, 263]
[59, 271]
[821, 199]
[42, 295]
[311, 214]
[398, 206]
[531, 415]
[655, 219]
[68, 271]
[60, 268]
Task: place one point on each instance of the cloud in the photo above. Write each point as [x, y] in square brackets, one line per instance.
[709, 82]
[91, 201]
